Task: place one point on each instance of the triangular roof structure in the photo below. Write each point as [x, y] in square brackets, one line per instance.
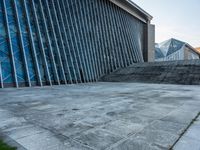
[158, 53]
[170, 46]
[174, 46]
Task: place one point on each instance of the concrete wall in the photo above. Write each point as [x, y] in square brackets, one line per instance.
[151, 42]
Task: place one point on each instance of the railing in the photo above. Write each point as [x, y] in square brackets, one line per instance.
[1, 77]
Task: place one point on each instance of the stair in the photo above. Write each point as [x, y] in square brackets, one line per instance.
[185, 72]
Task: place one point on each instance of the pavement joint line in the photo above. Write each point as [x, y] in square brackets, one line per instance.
[76, 141]
[127, 137]
[182, 134]
[121, 141]
[53, 131]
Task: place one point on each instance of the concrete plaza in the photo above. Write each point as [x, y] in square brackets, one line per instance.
[98, 116]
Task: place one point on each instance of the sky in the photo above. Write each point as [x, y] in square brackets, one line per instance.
[178, 19]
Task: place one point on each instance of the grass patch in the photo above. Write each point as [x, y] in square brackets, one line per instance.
[4, 146]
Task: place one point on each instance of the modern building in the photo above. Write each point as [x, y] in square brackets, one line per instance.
[47, 42]
[174, 49]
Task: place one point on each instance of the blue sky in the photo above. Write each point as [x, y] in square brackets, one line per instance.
[174, 18]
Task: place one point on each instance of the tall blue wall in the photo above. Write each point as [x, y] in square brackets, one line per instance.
[47, 42]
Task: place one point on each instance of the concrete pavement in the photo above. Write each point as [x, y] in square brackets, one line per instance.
[97, 116]
[190, 139]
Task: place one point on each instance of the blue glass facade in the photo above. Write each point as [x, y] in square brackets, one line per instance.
[47, 42]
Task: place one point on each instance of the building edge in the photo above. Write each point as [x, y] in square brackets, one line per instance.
[137, 12]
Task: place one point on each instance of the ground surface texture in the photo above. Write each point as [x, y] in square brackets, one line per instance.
[99, 116]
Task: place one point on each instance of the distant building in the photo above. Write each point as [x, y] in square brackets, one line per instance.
[174, 49]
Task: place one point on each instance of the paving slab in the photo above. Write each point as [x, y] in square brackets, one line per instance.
[98, 138]
[98, 116]
[190, 139]
[135, 144]
[158, 138]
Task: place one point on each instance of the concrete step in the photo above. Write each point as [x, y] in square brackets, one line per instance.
[171, 72]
